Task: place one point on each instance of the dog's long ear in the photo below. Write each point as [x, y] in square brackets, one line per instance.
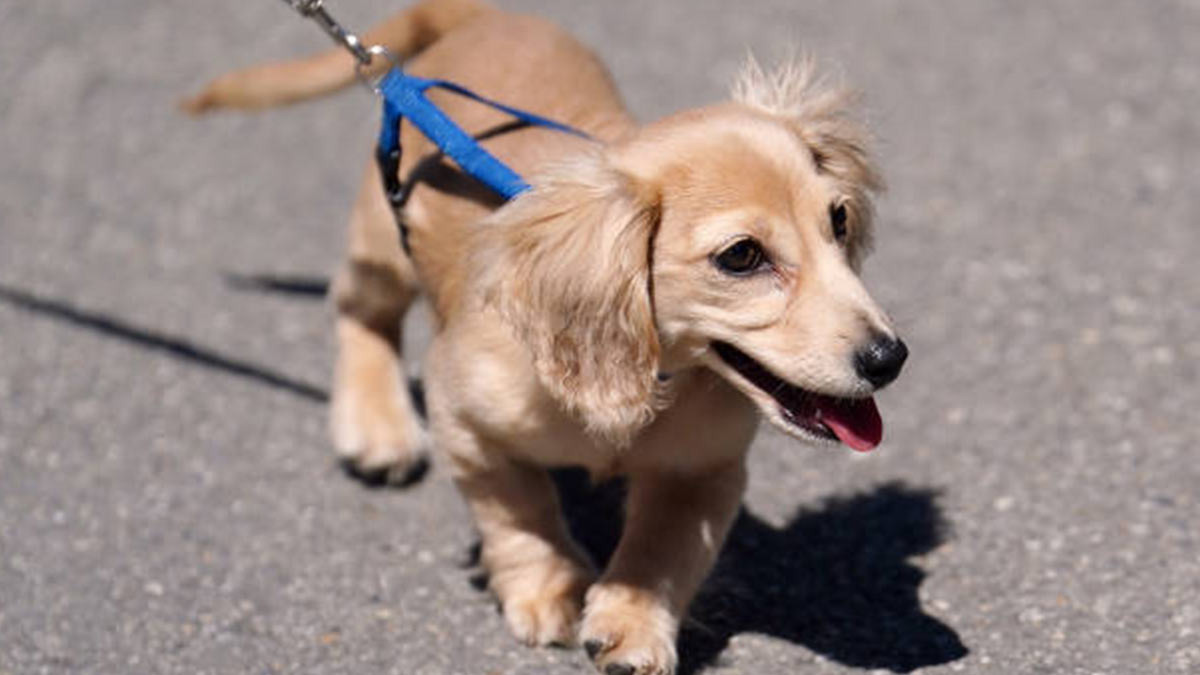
[568, 266]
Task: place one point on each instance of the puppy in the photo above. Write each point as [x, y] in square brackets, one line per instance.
[634, 313]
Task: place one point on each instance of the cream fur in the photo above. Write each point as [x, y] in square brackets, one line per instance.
[567, 265]
[557, 312]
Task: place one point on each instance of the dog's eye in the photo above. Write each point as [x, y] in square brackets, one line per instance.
[837, 216]
[743, 257]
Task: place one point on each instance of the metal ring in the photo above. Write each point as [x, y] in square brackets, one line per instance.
[360, 68]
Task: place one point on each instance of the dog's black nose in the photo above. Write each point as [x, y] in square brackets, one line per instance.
[880, 362]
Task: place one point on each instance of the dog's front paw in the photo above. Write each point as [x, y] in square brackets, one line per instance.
[628, 631]
[379, 438]
[542, 601]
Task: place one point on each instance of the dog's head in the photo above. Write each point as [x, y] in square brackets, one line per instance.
[727, 237]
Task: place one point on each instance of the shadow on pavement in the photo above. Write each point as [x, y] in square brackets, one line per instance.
[201, 356]
[835, 579]
[308, 287]
[160, 342]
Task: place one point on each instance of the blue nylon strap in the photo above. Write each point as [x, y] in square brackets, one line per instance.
[404, 98]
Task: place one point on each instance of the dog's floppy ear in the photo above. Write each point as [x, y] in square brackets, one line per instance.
[568, 266]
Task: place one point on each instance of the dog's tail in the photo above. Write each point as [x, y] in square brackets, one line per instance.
[265, 86]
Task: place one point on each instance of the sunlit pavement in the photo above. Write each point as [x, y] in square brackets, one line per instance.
[169, 502]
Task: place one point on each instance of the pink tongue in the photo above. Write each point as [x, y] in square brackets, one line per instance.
[856, 423]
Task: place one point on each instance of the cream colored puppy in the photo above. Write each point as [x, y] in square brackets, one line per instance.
[634, 313]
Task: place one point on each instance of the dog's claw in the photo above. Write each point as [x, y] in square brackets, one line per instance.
[627, 631]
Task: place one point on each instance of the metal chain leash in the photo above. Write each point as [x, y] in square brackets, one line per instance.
[363, 55]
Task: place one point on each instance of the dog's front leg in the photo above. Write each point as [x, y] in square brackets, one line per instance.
[534, 567]
[675, 525]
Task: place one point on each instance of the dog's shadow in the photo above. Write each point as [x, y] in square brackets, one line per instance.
[835, 579]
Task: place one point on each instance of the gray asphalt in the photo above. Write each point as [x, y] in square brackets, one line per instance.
[169, 502]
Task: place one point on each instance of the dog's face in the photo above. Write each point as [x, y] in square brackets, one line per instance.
[727, 238]
[754, 274]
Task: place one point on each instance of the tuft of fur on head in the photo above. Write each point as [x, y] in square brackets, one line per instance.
[822, 115]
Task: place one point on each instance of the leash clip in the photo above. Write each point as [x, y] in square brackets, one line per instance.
[370, 81]
[315, 10]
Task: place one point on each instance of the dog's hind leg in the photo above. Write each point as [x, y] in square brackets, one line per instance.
[374, 421]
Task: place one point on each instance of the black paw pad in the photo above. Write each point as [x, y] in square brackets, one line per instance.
[618, 669]
[593, 647]
[396, 476]
[407, 476]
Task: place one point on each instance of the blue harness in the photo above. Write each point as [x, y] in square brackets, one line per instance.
[404, 97]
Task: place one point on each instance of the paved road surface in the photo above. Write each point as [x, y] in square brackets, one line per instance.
[168, 502]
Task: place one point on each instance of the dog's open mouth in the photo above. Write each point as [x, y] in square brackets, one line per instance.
[855, 422]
